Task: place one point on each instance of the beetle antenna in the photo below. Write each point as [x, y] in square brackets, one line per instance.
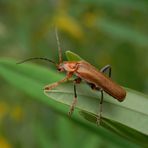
[36, 58]
[59, 46]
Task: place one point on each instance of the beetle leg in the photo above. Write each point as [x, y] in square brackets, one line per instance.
[49, 87]
[100, 108]
[76, 81]
[93, 86]
[105, 68]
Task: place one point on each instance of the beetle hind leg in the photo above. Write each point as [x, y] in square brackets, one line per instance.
[105, 69]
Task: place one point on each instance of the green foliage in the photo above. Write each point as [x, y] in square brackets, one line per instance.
[22, 78]
[101, 31]
[72, 56]
[121, 118]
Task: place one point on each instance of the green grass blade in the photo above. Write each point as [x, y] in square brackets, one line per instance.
[129, 118]
[122, 32]
[130, 4]
[72, 56]
[31, 79]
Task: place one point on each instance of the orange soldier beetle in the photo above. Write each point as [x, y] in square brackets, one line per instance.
[96, 79]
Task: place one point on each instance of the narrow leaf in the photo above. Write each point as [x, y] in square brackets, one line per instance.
[72, 56]
[30, 79]
[114, 113]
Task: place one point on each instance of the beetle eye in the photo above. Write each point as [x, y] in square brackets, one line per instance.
[59, 69]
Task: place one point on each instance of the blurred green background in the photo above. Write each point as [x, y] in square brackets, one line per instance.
[101, 31]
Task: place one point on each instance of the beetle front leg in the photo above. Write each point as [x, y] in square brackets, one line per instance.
[49, 87]
[76, 81]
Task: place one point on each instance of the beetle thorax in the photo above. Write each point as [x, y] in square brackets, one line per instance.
[69, 66]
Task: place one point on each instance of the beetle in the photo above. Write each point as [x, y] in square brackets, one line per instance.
[83, 70]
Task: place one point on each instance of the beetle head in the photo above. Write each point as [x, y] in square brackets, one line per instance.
[60, 67]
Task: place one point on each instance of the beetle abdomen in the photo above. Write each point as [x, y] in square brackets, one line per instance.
[91, 75]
